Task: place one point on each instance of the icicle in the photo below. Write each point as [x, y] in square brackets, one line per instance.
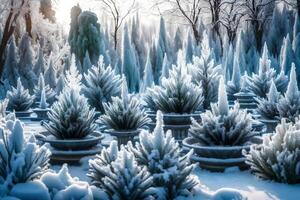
[222, 97]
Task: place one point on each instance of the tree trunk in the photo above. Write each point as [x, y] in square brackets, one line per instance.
[28, 23]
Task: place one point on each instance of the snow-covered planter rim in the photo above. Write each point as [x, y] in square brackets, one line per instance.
[166, 126]
[217, 160]
[190, 143]
[176, 115]
[123, 132]
[244, 94]
[47, 137]
[41, 109]
[20, 112]
[264, 120]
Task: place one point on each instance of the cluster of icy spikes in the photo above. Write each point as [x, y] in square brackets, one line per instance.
[20, 160]
[161, 155]
[223, 126]
[119, 175]
[19, 99]
[289, 104]
[278, 157]
[125, 113]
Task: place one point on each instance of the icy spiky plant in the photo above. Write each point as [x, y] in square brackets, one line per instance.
[100, 85]
[234, 85]
[221, 125]
[260, 83]
[289, 105]
[43, 102]
[124, 113]
[19, 99]
[20, 160]
[161, 154]
[118, 174]
[267, 107]
[3, 106]
[70, 117]
[278, 158]
[50, 94]
[177, 94]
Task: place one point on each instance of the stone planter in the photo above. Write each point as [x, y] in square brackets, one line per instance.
[270, 124]
[218, 158]
[21, 114]
[123, 137]
[71, 150]
[41, 113]
[179, 124]
[246, 100]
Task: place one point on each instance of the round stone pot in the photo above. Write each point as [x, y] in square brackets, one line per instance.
[72, 150]
[179, 124]
[41, 113]
[270, 124]
[218, 158]
[123, 137]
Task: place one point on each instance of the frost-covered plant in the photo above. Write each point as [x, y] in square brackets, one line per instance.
[206, 73]
[177, 94]
[161, 154]
[71, 117]
[221, 125]
[100, 85]
[278, 157]
[3, 107]
[289, 105]
[21, 160]
[19, 99]
[267, 107]
[234, 85]
[50, 94]
[260, 83]
[125, 113]
[43, 102]
[118, 174]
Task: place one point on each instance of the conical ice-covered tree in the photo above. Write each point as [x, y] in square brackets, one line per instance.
[189, 49]
[50, 94]
[39, 66]
[289, 105]
[260, 83]
[160, 154]
[129, 67]
[73, 77]
[239, 54]
[50, 74]
[234, 85]
[60, 85]
[165, 68]
[11, 64]
[286, 55]
[267, 107]
[86, 63]
[222, 98]
[148, 80]
[119, 175]
[101, 84]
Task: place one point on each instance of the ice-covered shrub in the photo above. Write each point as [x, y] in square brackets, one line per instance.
[101, 84]
[267, 107]
[161, 154]
[125, 113]
[289, 105]
[19, 99]
[71, 117]
[21, 160]
[221, 125]
[43, 101]
[278, 157]
[118, 174]
[50, 94]
[177, 94]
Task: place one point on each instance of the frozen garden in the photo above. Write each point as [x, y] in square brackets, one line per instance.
[154, 100]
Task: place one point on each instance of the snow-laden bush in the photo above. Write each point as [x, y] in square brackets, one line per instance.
[278, 157]
[221, 125]
[177, 94]
[289, 105]
[267, 107]
[21, 160]
[118, 174]
[260, 83]
[101, 84]
[50, 94]
[19, 99]
[161, 154]
[125, 113]
[62, 186]
[71, 117]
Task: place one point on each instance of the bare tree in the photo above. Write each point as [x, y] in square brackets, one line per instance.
[115, 8]
[258, 13]
[295, 4]
[16, 9]
[188, 10]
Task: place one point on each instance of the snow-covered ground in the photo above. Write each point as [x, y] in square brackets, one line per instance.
[249, 185]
